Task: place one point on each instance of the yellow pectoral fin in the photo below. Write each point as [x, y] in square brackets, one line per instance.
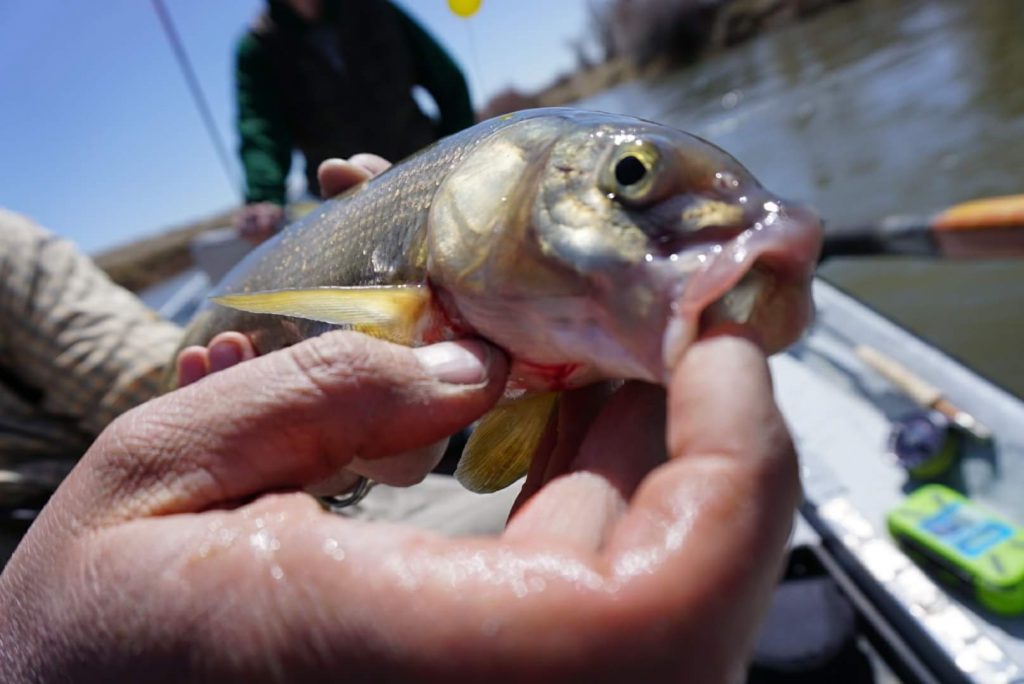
[391, 312]
[501, 447]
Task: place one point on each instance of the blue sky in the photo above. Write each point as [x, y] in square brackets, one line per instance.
[101, 142]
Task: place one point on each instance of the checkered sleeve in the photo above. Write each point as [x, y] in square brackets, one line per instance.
[90, 347]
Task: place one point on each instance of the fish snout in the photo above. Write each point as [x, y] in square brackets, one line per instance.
[760, 279]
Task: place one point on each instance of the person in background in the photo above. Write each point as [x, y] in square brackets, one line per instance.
[332, 78]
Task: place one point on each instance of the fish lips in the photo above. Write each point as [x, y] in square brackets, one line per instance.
[760, 280]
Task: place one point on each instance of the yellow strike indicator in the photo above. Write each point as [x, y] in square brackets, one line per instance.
[464, 8]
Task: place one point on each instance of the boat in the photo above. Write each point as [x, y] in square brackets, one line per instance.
[841, 412]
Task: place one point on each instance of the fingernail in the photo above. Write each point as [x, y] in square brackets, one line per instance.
[457, 363]
[224, 355]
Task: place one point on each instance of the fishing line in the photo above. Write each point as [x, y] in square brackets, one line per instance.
[465, 9]
[197, 94]
[477, 71]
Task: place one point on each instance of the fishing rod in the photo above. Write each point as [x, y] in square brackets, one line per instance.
[197, 92]
[987, 228]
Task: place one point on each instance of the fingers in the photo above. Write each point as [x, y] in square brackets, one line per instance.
[257, 222]
[402, 470]
[286, 420]
[225, 350]
[193, 363]
[371, 162]
[229, 349]
[338, 175]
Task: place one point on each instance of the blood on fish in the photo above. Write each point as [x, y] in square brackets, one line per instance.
[557, 376]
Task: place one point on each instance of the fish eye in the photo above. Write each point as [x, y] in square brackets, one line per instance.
[629, 170]
[633, 172]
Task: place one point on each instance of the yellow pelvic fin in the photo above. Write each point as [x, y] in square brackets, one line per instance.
[501, 447]
[390, 312]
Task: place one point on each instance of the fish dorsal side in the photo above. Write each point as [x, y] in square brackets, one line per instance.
[501, 447]
[395, 312]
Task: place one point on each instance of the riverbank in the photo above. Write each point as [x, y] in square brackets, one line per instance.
[645, 39]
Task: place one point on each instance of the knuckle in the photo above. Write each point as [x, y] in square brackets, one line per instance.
[345, 360]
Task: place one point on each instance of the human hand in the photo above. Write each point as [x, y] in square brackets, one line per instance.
[167, 554]
[338, 175]
[259, 221]
[230, 348]
[227, 349]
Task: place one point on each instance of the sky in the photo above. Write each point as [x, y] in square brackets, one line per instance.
[101, 142]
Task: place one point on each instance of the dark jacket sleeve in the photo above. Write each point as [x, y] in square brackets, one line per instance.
[438, 73]
[265, 144]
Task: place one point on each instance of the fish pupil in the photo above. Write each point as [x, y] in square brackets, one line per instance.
[629, 170]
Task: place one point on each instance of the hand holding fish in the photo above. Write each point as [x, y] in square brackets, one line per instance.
[611, 571]
[586, 246]
[259, 221]
[653, 521]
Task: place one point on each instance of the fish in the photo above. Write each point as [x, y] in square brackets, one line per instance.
[588, 246]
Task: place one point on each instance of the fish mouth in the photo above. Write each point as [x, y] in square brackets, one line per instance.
[759, 282]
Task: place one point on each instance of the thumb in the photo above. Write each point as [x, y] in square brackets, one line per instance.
[281, 421]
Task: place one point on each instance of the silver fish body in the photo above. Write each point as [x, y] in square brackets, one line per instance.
[586, 245]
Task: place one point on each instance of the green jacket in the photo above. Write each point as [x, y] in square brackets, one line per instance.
[338, 87]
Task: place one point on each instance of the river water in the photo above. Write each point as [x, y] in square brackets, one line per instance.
[875, 108]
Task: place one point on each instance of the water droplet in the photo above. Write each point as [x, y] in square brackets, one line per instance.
[261, 541]
[333, 549]
[726, 181]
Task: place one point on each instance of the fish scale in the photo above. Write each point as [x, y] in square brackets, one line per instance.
[587, 246]
[384, 216]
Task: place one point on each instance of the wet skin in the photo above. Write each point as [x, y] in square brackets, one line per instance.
[614, 568]
[182, 534]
